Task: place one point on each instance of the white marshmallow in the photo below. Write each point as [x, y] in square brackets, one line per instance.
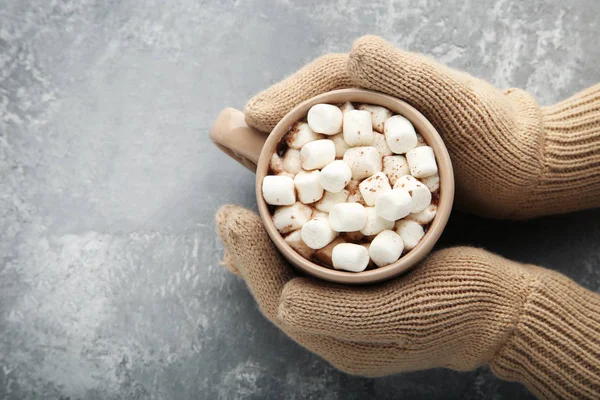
[386, 248]
[350, 257]
[308, 186]
[335, 176]
[420, 194]
[394, 204]
[347, 217]
[394, 167]
[375, 223]
[400, 134]
[432, 182]
[422, 162]
[325, 118]
[330, 199]
[317, 154]
[347, 106]
[411, 233]
[358, 130]
[300, 134]
[425, 216]
[317, 233]
[295, 241]
[340, 145]
[378, 115]
[290, 218]
[363, 161]
[381, 145]
[276, 164]
[374, 186]
[420, 141]
[291, 161]
[278, 190]
[325, 254]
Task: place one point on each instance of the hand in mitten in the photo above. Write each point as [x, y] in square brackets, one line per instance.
[460, 308]
[511, 158]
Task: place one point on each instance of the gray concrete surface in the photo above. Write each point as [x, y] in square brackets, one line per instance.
[109, 279]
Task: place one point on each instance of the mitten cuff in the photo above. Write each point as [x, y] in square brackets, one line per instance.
[555, 348]
[570, 179]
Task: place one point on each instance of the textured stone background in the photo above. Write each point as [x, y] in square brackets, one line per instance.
[109, 279]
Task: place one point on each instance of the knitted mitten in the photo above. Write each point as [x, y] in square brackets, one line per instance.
[460, 309]
[511, 158]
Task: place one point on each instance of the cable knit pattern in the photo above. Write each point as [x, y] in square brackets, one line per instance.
[511, 158]
[460, 309]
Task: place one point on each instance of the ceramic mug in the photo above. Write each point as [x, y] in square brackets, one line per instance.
[253, 149]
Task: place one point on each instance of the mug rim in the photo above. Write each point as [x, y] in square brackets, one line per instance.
[446, 191]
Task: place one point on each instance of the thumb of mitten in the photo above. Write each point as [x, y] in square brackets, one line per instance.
[250, 253]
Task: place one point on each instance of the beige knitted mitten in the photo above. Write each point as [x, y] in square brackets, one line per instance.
[460, 309]
[512, 159]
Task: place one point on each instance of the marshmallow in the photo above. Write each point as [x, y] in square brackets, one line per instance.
[363, 161]
[278, 190]
[386, 248]
[347, 217]
[317, 233]
[324, 255]
[374, 186]
[358, 130]
[425, 216]
[353, 237]
[420, 194]
[290, 218]
[340, 145]
[300, 134]
[394, 204]
[381, 145]
[420, 141]
[294, 239]
[276, 164]
[330, 199]
[317, 154]
[291, 161]
[394, 167]
[325, 118]
[422, 162]
[308, 186]
[432, 182]
[335, 176]
[350, 257]
[375, 224]
[410, 232]
[400, 134]
[347, 106]
[378, 115]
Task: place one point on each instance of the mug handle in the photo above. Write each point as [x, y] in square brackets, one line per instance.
[235, 138]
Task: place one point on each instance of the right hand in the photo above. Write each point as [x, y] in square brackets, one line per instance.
[495, 137]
